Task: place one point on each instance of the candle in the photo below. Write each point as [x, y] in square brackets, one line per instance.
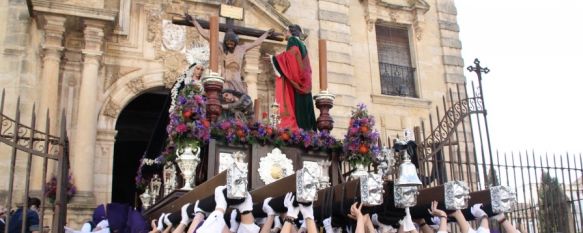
[257, 109]
[214, 43]
[323, 65]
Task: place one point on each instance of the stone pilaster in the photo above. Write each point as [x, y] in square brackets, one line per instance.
[85, 134]
[53, 28]
[252, 71]
[450, 42]
[335, 28]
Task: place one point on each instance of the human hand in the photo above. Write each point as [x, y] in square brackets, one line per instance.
[307, 211]
[288, 202]
[221, 202]
[267, 208]
[198, 209]
[435, 211]
[160, 225]
[477, 211]
[247, 204]
[185, 217]
[233, 220]
[355, 211]
[407, 221]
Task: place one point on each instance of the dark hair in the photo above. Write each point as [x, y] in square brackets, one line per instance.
[295, 30]
[33, 201]
[230, 36]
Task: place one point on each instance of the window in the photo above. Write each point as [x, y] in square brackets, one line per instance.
[397, 74]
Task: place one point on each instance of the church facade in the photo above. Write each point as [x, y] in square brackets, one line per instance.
[90, 59]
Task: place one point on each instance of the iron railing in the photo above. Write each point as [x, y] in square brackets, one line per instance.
[397, 80]
[29, 142]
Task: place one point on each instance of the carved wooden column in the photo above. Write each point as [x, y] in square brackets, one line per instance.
[252, 71]
[85, 135]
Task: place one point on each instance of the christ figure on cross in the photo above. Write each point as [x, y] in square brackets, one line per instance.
[232, 54]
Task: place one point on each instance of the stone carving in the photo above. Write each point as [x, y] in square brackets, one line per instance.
[274, 166]
[280, 5]
[198, 53]
[136, 85]
[111, 109]
[173, 37]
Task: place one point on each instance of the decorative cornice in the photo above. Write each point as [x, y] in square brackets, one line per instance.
[56, 7]
[401, 101]
[271, 12]
[421, 5]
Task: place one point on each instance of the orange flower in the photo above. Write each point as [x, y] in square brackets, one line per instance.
[363, 149]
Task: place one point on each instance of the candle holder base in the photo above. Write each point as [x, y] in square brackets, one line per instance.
[324, 102]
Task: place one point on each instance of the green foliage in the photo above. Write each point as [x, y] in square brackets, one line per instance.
[553, 212]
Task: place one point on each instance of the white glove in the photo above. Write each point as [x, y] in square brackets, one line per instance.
[234, 223]
[247, 205]
[302, 227]
[220, 198]
[435, 220]
[375, 219]
[103, 224]
[276, 223]
[478, 212]
[307, 211]
[266, 208]
[167, 220]
[160, 225]
[288, 202]
[328, 225]
[199, 210]
[185, 217]
[407, 221]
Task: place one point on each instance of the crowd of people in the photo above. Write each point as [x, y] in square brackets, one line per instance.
[300, 218]
[32, 218]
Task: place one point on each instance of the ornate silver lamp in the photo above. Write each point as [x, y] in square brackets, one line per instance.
[307, 182]
[237, 177]
[146, 199]
[503, 199]
[371, 189]
[187, 161]
[407, 172]
[274, 118]
[169, 175]
[324, 178]
[155, 184]
[386, 162]
[457, 194]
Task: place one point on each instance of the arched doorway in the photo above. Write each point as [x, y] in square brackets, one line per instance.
[135, 126]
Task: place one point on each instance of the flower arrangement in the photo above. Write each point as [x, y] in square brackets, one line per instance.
[361, 140]
[51, 189]
[233, 131]
[188, 126]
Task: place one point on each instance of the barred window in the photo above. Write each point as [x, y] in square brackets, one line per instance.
[396, 71]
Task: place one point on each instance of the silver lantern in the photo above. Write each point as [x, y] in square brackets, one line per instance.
[155, 184]
[457, 194]
[503, 199]
[187, 162]
[407, 172]
[324, 177]
[371, 189]
[169, 175]
[307, 182]
[146, 199]
[237, 177]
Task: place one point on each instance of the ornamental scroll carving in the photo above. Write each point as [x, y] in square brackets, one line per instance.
[111, 109]
[171, 42]
[411, 12]
[136, 86]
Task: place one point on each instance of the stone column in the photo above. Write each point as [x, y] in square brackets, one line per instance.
[52, 49]
[85, 135]
[252, 71]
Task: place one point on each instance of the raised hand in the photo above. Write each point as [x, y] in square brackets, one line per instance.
[288, 202]
[267, 208]
[220, 201]
[435, 211]
[307, 211]
[355, 211]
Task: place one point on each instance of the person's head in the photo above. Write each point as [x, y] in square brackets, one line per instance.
[2, 211]
[33, 203]
[230, 41]
[198, 70]
[293, 30]
[229, 97]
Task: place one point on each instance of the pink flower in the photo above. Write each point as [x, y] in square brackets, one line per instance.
[181, 128]
[353, 130]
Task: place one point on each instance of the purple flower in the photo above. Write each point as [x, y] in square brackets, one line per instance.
[182, 100]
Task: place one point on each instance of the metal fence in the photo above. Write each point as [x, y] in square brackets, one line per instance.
[397, 80]
[24, 143]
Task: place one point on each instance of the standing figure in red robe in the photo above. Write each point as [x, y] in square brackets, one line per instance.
[293, 84]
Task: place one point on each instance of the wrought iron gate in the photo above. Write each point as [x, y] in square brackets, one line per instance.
[26, 142]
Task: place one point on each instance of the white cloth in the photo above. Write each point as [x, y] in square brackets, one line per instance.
[328, 225]
[86, 227]
[483, 230]
[216, 223]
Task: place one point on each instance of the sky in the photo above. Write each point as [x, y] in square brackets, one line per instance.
[533, 49]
